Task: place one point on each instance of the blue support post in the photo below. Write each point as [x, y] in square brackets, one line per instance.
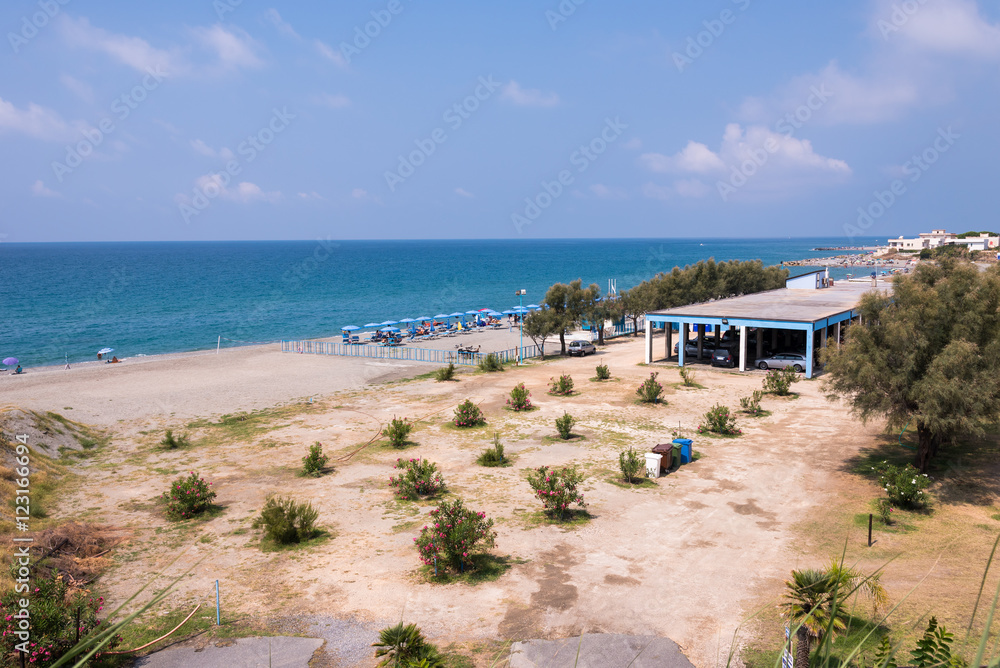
[810, 337]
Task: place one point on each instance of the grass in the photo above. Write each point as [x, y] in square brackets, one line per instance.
[485, 568]
[641, 483]
[573, 518]
[692, 385]
[899, 525]
[712, 434]
[246, 426]
[573, 438]
[151, 626]
[762, 414]
[450, 424]
[319, 537]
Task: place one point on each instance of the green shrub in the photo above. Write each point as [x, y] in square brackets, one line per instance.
[557, 488]
[404, 646]
[650, 390]
[455, 536]
[419, 477]
[313, 463]
[172, 442]
[564, 425]
[603, 372]
[520, 398]
[632, 465]
[494, 456]
[780, 382]
[491, 363]
[445, 373]
[286, 521]
[719, 420]
[397, 430]
[751, 405]
[687, 375]
[562, 386]
[904, 485]
[188, 496]
[884, 509]
[54, 613]
[468, 415]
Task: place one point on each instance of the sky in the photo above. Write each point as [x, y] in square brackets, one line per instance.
[395, 119]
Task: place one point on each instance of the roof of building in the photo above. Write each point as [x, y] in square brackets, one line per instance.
[782, 305]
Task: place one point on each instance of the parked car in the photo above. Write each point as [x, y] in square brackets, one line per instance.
[581, 348]
[724, 357]
[795, 360]
[691, 349]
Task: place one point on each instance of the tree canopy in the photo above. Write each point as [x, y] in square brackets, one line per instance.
[928, 355]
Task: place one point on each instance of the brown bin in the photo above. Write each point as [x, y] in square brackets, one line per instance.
[666, 452]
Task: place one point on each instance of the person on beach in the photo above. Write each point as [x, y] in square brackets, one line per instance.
[18, 369]
[98, 357]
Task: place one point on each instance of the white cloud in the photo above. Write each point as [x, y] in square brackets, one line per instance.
[332, 101]
[206, 150]
[311, 195]
[528, 97]
[39, 190]
[134, 52]
[280, 24]
[695, 157]
[78, 88]
[463, 192]
[213, 187]
[38, 122]
[943, 26]
[691, 188]
[653, 191]
[233, 48]
[331, 54]
[605, 192]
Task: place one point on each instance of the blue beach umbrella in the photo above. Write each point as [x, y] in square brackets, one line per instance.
[422, 318]
[408, 320]
[105, 351]
[494, 314]
[373, 324]
[349, 328]
[533, 307]
[389, 323]
[441, 315]
[457, 314]
[10, 361]
[508, 312]
[472, 313]
[389, 329]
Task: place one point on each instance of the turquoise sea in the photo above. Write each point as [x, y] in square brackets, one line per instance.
[67, 300]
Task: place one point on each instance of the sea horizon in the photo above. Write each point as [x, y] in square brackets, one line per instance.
[63, 301]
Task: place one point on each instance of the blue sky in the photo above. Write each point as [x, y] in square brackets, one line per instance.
[397, 119]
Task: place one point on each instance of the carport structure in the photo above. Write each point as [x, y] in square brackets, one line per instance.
[817, 307]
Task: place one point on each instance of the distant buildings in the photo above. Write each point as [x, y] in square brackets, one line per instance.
[935, 238]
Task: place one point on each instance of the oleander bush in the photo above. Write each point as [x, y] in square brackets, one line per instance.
[418, 477]
[719, 420]
[520, 398]
[468, 415]
[286, 521]
[557, 488]
[650, 390]
[562, 386]
[188, 496]
[455, 536]
[779, 382]
[397, 430]
[751, 405]
[564, 425]
[315, 461]
[903, 485]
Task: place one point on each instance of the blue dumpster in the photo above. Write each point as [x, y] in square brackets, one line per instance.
[686, 452]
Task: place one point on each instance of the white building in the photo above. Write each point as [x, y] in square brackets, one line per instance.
[908, 244]
[937, 238]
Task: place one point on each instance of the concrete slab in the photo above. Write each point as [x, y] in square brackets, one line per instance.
[599, 650]
[276, 652]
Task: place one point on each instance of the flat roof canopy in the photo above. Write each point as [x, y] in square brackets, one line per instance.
[785, 305]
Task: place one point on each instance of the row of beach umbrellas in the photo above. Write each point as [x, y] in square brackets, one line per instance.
[11, 361]
[388, 325]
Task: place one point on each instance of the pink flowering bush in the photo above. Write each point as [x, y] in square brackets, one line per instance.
[188, 497]
[520, 398]
[54, 610]
[419, 477]
[468, 415]
[650, 390]
[719, 420]
[455, 536]
[562, 386]
[557, 488]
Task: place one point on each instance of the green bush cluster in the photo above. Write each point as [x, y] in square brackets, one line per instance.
[751, 405]
[315, 461]
[455, 536]
[903, 485]
[397, 430]
[632, 465]
[172, 442]
[520, 398]
[468, 415]
[490, 363]
[719, 420]
[445, 373]
[650, 390]
[564, 425]
[188, 496]
[402, 646]
[557, 488]
[562, 386]
[493, 456]
[287, 521]
[603, 372]
[419, 477]
[780, 381]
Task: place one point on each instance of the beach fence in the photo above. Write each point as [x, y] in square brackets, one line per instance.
[404, 353]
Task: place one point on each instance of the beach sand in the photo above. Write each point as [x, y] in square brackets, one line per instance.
[204, 383]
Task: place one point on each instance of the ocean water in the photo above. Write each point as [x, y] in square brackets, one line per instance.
[67, 300]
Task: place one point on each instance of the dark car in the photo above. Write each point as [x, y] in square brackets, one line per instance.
[724, 357]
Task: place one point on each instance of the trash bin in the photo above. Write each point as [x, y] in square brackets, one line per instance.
[652, 465]
[666, 453]
[676, 447]
[687, 453]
